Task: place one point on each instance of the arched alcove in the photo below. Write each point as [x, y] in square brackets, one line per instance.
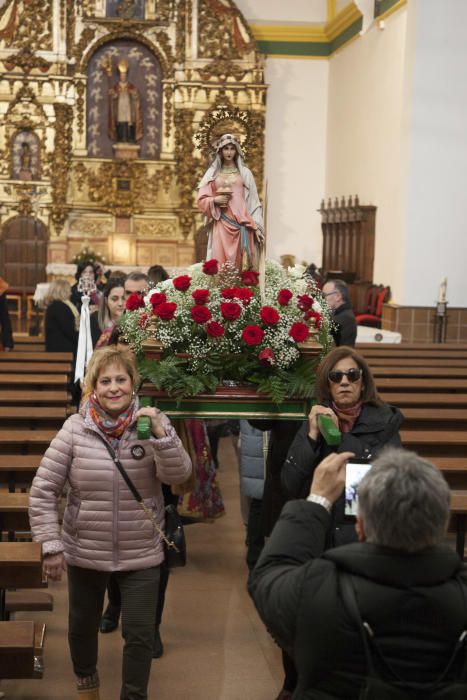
[144, 75]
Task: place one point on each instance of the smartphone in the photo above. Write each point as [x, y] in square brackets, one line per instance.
[355, 470]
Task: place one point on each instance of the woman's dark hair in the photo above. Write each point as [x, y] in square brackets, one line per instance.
[111, 284]
[157, 274]
[81, 267]
[323, 394]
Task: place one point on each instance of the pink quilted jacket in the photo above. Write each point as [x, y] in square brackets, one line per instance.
[104, 528]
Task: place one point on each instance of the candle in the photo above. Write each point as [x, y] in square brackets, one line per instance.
[442, 291]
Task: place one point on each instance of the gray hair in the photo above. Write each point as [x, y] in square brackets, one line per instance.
[341, 287]
[404, 502]
[137, 276]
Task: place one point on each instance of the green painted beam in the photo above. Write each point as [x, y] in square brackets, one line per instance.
[295, 48]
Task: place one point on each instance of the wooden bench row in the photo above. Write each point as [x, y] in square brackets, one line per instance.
[21, 642]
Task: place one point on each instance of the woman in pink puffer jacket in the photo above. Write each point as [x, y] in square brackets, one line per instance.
[104, 529]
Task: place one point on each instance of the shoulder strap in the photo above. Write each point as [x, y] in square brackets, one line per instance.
[136, 494]
[350, 604]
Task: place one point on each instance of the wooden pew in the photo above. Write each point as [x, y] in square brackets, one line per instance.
[425, 398]
[26, 441]
[412, 346]
[21, 642]
[435, 418]
[36, 356]
[29, 343]
[17, 471]
[416, 362]
[33, 368]
[30, 417]
[421, 384]
[435, 443]
[417, 372]
[14, 513]
[43, 381]
[23, 397]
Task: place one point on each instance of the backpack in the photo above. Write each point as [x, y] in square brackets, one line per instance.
[378, 688]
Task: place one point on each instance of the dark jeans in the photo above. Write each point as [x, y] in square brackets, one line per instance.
[115, 598]
[86, 590]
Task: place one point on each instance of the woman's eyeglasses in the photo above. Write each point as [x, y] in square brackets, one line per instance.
[337, 375]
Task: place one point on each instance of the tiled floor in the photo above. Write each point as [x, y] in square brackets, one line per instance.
[216, 648]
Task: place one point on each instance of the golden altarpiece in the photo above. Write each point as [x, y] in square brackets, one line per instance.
[80, 165]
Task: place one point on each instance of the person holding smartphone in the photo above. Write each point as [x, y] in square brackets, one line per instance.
[345, 391]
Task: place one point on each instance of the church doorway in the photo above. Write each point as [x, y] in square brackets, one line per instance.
[23, 252]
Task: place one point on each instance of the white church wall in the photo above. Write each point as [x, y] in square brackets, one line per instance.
[364, 137]
[436, 221]
[277, 11]
[295, 156]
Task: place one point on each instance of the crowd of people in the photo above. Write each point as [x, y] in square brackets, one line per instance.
[369, 607]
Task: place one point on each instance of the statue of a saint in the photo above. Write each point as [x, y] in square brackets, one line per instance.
[228, 197]
[125, 118]
[25, 161]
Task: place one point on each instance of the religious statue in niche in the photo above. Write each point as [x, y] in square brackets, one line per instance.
[125, 118]
[124, 101]
[229, 199]
[126, 9]
[25, 156]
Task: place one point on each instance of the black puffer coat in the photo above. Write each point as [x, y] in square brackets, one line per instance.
[376, 427]
[413, 603]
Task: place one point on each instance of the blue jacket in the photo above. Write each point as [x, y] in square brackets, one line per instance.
[252, 460]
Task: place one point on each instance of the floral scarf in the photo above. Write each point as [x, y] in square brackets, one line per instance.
[347, 416]
[112, 428]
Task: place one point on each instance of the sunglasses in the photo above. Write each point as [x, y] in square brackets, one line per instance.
[353, 375]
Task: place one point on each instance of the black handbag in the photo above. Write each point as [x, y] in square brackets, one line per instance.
[174, 535]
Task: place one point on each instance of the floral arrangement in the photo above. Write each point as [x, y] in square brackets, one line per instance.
[214, 325]
[88, 255]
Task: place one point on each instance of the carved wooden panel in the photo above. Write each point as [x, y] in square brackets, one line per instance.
[23, 252]
[349, 238]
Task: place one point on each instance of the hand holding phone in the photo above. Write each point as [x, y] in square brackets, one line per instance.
[354, 473]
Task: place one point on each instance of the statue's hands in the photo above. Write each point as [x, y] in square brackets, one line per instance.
[259, 235]
[222, 199]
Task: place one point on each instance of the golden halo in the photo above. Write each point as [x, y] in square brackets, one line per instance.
[223, 119]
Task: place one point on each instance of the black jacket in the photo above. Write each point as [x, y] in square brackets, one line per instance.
[60, 331]
[375, 428]
[412, 602]
[346, 331]
[282, 433]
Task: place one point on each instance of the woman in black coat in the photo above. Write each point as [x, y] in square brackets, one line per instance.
[61, 319]
[345, 391]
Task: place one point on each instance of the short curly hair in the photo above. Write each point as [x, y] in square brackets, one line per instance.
[103, 358]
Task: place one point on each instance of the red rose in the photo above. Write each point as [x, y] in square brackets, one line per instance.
[229, 292]
[299, 332]
[200, 314]
[214, 329]
[253, 335]
[230, 310]
[284, 296]
[182, 283]
[244, 294]
[157, 298]
[211, 267]
[304, 302]
[201, 296]
[269, 315]
[134, 301]
[267, 357]
[143, 320]
[315, 316]
[166, 310]
[250, 278]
